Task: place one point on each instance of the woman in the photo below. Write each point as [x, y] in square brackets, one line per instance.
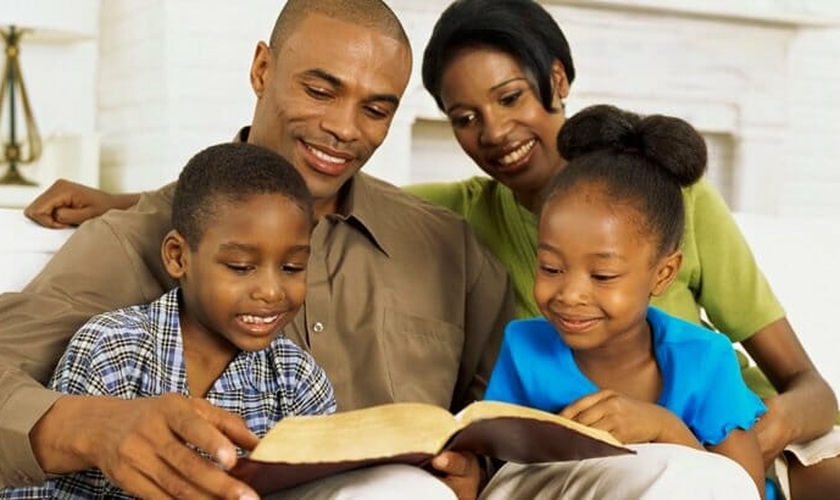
[501, 71]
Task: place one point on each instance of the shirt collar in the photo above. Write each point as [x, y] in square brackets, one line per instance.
[361, 209]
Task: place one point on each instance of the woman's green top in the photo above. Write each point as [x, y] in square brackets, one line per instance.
[719, 275]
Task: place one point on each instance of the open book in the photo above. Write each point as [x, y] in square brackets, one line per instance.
[300, 449]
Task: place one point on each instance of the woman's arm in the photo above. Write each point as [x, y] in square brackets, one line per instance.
[742, 446]
[778, 352]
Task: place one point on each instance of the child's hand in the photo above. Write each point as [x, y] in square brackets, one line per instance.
[628, 419]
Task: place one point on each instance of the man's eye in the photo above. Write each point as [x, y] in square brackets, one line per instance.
[376, 112]
[317, 92]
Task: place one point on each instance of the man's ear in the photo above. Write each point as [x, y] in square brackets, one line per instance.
[666, 272]
[175, 253]
[261, 68]
[559, 79]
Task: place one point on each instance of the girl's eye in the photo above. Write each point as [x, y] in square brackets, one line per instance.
[293, 268]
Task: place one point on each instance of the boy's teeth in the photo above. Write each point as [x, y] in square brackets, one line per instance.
[324, 156]
[517, 153]
[248, 318]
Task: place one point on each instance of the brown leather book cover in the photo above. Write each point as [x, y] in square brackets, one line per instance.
[301, 449]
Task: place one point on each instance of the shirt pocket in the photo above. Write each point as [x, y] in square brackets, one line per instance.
[422, 357]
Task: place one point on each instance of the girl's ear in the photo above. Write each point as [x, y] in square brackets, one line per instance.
[558, 78]
[175, 252]
[666, 272]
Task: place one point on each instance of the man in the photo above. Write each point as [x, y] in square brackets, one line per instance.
[402, 304]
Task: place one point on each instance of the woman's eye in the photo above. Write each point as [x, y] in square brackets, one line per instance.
[462, 121]
[511, 98]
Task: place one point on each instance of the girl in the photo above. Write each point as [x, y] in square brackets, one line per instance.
[608, 241]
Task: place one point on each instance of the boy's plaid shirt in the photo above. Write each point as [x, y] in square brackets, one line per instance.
[138, 352]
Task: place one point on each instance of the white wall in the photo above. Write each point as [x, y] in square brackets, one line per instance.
[758, 78]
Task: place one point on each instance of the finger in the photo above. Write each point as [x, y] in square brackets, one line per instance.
[72, 216]
[140, 485]
[215, 431]
[189, 475]
[43, 218]
[453, 463]
[573, 410]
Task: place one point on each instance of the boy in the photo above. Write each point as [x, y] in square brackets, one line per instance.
[239, 247]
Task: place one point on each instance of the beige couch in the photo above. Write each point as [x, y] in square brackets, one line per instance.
[797, 254]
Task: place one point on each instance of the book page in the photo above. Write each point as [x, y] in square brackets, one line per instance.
[379, 431]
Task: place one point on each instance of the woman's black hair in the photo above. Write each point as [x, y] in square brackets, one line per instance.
[643, 161]
[521, 28]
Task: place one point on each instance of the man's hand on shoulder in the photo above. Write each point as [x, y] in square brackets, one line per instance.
[66, 203]
[145, 446]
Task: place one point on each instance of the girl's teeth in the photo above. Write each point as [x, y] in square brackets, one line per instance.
[517, 153]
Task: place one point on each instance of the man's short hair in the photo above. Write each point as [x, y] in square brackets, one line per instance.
[368, 13]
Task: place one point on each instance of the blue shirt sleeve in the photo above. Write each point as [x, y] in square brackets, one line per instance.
[726, 403]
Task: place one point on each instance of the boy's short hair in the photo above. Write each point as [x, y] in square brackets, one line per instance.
[230, 173]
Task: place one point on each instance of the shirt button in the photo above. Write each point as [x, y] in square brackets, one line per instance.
[318, 327]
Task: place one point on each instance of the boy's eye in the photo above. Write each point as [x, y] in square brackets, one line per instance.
[604, 277]
[240, 268]
[549, 270]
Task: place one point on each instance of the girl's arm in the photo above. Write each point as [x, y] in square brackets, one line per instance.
[742, 446]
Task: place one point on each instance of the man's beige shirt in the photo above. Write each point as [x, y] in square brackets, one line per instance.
[403, 304]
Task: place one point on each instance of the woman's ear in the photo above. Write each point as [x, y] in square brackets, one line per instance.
[558, 78]
[666, 272]
[175, 253]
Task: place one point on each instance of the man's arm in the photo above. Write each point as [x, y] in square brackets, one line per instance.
[489, 308]
[97, 269]
[66, 203]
